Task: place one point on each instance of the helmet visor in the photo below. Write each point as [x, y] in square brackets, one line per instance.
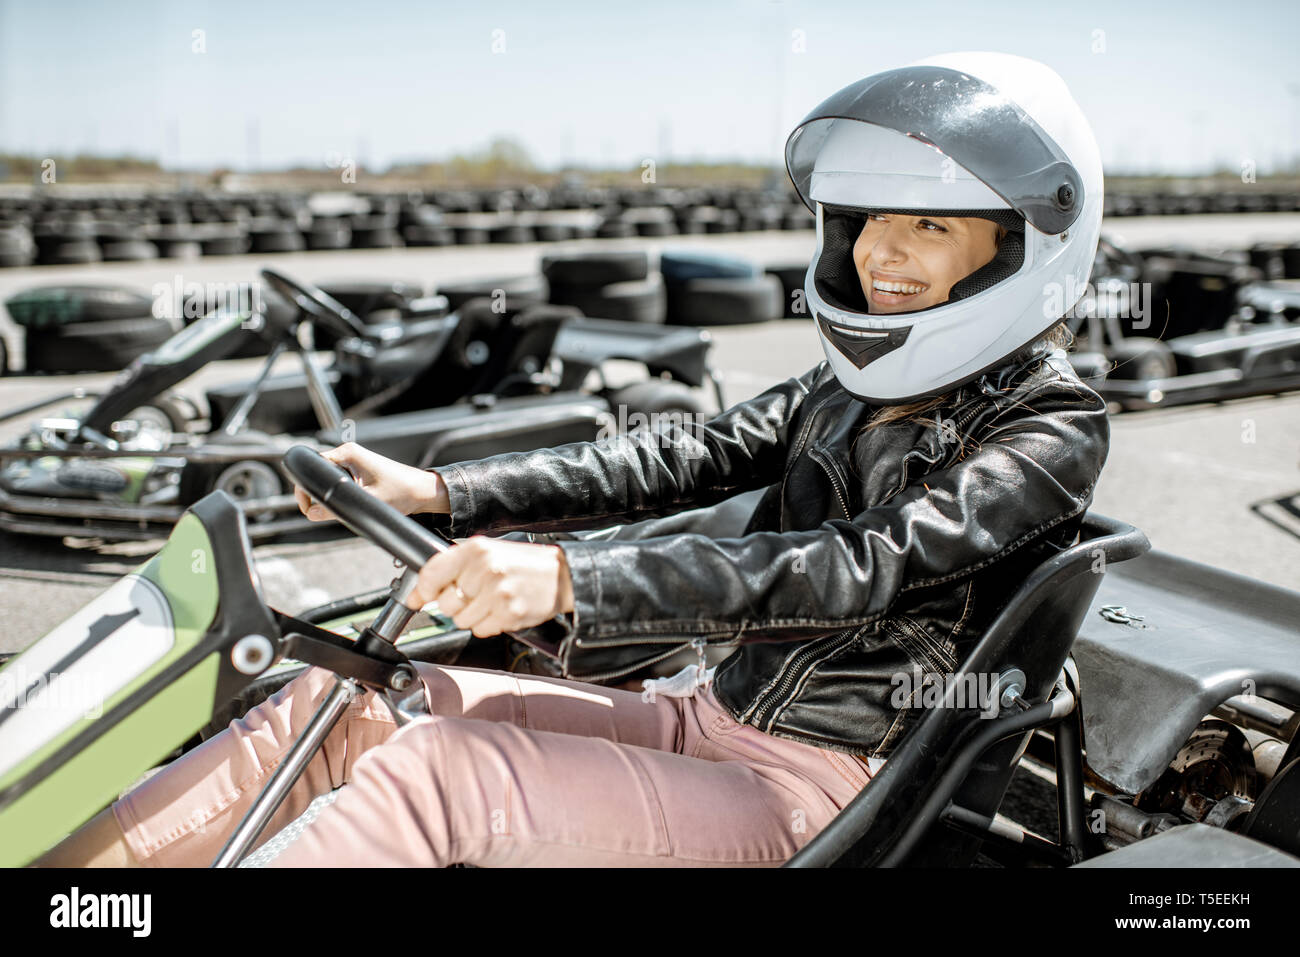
[965, 119]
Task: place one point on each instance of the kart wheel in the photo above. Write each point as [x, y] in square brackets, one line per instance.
[156, 422]
[1151, 359]
[249, 480]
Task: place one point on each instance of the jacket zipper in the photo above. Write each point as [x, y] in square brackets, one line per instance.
[829, 467]
[803, 438]
[797, 668]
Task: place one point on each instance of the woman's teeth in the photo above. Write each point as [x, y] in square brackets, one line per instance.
[897, 288]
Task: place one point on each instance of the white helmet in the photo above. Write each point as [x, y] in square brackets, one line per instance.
[988, 135]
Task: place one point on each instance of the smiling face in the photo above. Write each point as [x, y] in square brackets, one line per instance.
[912, 262]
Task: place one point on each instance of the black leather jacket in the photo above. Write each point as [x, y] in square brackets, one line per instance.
[871, 554]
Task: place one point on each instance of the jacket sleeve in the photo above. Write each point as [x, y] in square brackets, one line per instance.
[1034, 470]
[627, 478]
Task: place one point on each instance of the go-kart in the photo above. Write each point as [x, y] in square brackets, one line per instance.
[128, 679]
[1171, 327]
[423, 391]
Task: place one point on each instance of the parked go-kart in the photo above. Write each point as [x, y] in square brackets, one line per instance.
[1169, 327]
[109, 693]
[479, 381]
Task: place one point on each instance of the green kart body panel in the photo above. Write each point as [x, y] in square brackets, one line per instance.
[109, 694]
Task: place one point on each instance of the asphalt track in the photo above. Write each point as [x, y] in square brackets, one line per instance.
[1198, 480]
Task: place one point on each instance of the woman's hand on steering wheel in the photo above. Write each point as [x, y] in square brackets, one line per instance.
[409, 490]
[486, 585]
[490, 586]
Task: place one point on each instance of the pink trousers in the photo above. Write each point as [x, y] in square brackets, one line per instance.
[509, 770]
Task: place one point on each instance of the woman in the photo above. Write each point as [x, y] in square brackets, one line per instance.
[942, 450]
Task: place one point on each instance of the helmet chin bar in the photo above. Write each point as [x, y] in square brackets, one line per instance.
[862, 346]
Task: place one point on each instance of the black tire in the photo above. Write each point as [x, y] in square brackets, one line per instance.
[471, 235]
[225, 245]
[74, 253]
[179, 249]
[727, 221]
[376, 239]
[424, 235]
[1142, 359]
[596, 269]
[724, 302]
[554, 232]
[519, 291]
[47, 306]
[640, 301]
[656, 227]
[658, 396]
[199, 478]
[178, 411]
[677, 267]
[1291, 261]
[16, 246]
[1268, 259]
[104, 346]
[799, 218]
[287, 240]
[129, 250]
[615, 229]
[792, 278]
[513, 233]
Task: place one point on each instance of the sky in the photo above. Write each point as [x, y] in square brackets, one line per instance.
[1174, 87]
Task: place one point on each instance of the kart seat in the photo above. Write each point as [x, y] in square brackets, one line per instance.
[932, 803]
[524, 342]
[456, 370]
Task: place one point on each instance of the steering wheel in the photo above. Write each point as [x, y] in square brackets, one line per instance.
[331, 313]
[362, 513]
[407, 541]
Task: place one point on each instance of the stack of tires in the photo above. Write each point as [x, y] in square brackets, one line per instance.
[791, 276]
[617, 285]
[706, 290]
[508, 293]
[16, 245]
[73, 328]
